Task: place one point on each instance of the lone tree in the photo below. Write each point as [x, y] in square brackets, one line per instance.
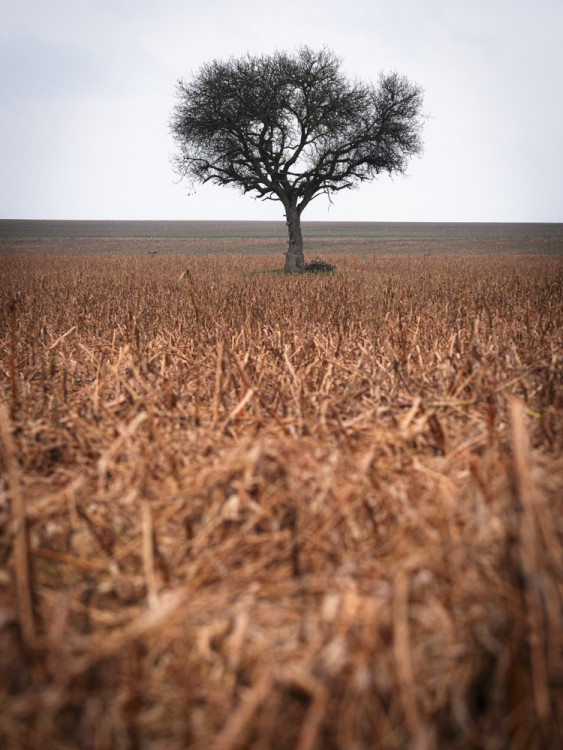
[291, 128]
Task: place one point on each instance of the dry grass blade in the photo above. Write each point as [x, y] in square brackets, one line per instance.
[148, 553]
[22, 570]
[530, 547]
[403, 650]
[231, 735]
[58, 341]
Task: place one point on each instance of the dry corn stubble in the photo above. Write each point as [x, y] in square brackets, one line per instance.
[259, 511]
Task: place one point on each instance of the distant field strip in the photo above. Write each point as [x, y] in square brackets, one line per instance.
[325, 247]
[20, 229]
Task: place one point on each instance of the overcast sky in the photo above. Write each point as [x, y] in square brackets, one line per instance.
[87, 89]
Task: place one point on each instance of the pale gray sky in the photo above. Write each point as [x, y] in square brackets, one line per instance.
[87, 89]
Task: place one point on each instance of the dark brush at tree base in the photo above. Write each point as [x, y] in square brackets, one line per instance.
[291, 128]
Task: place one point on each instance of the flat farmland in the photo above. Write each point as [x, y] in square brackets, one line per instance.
[207, 229]
[240, 509]
[256, 238]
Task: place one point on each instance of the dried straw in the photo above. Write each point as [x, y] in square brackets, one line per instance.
[240, 510]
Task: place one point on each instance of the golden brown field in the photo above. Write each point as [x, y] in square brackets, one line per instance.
[256, 511]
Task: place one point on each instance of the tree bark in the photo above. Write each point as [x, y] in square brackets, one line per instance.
[294, 258]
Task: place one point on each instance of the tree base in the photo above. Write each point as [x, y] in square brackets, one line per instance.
[294, 263]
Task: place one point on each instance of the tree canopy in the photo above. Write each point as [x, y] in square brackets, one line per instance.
[291, 128]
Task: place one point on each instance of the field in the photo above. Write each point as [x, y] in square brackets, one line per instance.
[270, 237]
[13, 229]
[245, 510]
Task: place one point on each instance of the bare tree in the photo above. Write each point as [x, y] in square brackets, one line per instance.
[291, 128]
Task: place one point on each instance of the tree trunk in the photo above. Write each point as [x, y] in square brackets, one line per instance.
[294, 259]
